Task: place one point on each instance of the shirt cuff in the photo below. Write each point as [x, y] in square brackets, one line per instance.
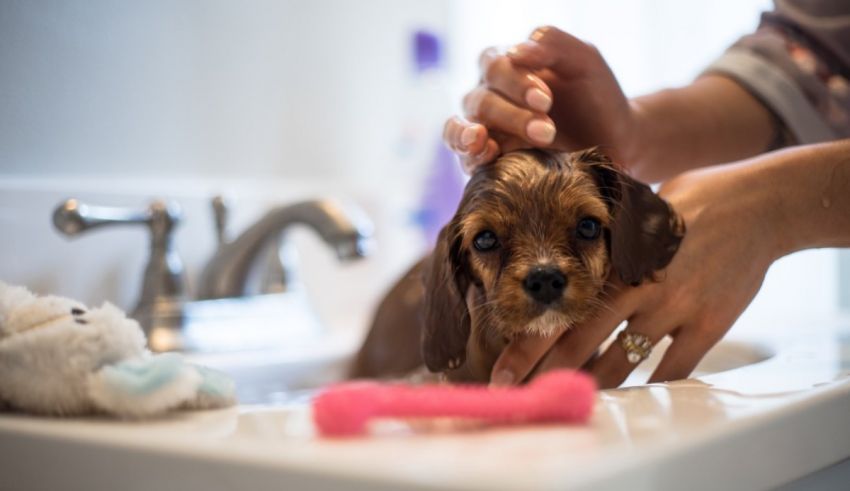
[777, 91]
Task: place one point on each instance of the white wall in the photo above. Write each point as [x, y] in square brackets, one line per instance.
[290, 98]
[117, 102]
[649, 44]
[294, 88]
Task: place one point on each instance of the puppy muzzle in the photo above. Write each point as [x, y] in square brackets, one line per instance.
[545, 284]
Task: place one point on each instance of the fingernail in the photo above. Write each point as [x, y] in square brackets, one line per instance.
[536, 80]
[540, 131]
[538, 33]
[502, 378]
[467, 137]
[483, 151]
[519, 49]
[538, 100]
[525, 52]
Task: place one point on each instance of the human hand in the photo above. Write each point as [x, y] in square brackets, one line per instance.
[553, 91]
[731, 241]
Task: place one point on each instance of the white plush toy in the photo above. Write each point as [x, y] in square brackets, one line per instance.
[59, 358]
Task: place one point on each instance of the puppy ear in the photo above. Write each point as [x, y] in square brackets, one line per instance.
[446, 317]
[645, 230]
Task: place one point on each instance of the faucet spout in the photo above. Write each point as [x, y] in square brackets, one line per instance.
[347, 230]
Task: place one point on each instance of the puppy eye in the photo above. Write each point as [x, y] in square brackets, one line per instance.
[588, 228]
[485, 241]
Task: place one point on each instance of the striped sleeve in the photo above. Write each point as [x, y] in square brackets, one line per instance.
[798, 65]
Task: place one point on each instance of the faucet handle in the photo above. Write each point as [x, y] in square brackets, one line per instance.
[162, 287]
[72, 217]
[220, 209]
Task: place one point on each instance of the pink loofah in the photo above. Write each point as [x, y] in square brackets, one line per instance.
[562, 396]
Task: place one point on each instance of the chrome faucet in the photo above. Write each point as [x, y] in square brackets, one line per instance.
[172, 323]
[162, 296]
[346, 229]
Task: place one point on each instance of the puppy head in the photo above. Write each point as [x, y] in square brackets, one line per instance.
[536, 234]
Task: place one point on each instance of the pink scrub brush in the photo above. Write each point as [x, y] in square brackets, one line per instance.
[561, 396]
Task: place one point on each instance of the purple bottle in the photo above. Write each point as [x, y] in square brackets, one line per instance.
[443, 186]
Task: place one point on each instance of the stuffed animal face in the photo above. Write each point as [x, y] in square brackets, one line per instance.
[49, 346]
[59, 358]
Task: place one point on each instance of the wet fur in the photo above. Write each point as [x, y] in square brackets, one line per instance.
[469, 304]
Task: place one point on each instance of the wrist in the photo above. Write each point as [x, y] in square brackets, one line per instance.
[711, 121]
[655, 133]
[761, 186]
[804, 196]
[634, 148]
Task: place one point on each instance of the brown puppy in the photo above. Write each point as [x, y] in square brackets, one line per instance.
[529, 250]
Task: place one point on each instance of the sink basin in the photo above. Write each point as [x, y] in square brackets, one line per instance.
[271, 376]
[271, 345]
[728, 354]
[764, 416]
[227, 325]
[309, 356]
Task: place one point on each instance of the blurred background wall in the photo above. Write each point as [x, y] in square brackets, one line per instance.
[275, 100]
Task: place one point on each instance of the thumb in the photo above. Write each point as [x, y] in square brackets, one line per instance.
[520, 357]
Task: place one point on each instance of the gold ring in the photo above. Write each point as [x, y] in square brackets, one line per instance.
[637, 346]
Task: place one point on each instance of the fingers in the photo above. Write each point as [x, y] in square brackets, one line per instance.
[491, 151]
[471, 141]
[569, 350]
[532, 55]
[613, 367]
[498, 113]
[555, 54]
[578, 345]
[506, 111]
[465, 137]
[517, 85]
[550, 47]
[519, 358]
[683, 355]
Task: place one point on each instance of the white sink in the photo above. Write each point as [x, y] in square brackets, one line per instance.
[310, 358]
[271, 345]
[777, 412]
[271, 376]
[728, 354]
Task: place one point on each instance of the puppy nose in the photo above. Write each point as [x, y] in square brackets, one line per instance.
[545, 284]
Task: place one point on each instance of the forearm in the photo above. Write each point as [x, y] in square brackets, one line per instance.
[809, 201]
[711, 121]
